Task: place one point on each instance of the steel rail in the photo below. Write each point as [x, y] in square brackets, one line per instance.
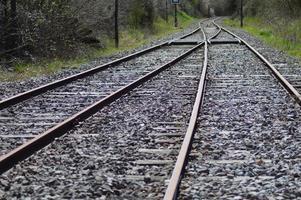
[291, 89]
[7, 161]
[221, 42]
[173, 187]
[50, 86]
[194, 42]
[172, 42]
[215, 35]
[174, 183]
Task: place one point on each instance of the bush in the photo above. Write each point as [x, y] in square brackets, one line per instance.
[274, 9]
[65, 28]
[141, 14]
[49, 28]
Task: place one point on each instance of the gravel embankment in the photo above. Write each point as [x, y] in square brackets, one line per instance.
[247, 144]
[106, 156]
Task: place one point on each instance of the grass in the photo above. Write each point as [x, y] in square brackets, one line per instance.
[129, 39]
[161, 28]
[283, 36]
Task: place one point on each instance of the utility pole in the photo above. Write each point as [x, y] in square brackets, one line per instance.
[166, 11]
[116, 25]
[241, 13]
[176, 15]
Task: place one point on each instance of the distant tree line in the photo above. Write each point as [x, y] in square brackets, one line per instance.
[274, 8]
[49, 28]
[284, 16]
[218, 7]
[270, 9]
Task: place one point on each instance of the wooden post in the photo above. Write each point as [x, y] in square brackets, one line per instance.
[176, 15]
[241, 13]
[116, 25]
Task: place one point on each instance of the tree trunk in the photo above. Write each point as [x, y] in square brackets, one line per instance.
[4, 24]
[12, 32]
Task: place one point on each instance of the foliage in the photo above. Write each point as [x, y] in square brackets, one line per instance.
[129, 38]
[287, 38]
[46, 30]
[218, 7]
[192, 7]
[274, 9]
[48, 27]
[141, 14]
[277, 22]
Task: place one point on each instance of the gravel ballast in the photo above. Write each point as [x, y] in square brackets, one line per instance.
[112, 154]
[288, 66]
[25, 120]
[247, 144]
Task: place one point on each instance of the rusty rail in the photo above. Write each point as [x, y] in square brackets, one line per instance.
[173, 187]
[174, 183]
[291, 89]
[24, 151]
[50, 86]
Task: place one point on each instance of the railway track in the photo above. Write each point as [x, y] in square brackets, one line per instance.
[245, 142]
[40, 115]
[149, 122]
[289, 68]
[236, 109]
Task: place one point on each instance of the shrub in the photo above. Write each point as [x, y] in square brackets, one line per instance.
[141, 14]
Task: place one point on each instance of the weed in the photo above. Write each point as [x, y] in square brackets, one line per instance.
[286, 37]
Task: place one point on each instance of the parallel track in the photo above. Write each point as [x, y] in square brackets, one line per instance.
[131, 135]
[173, 189]
[50, 86]
[10, 158]
[157, 160]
